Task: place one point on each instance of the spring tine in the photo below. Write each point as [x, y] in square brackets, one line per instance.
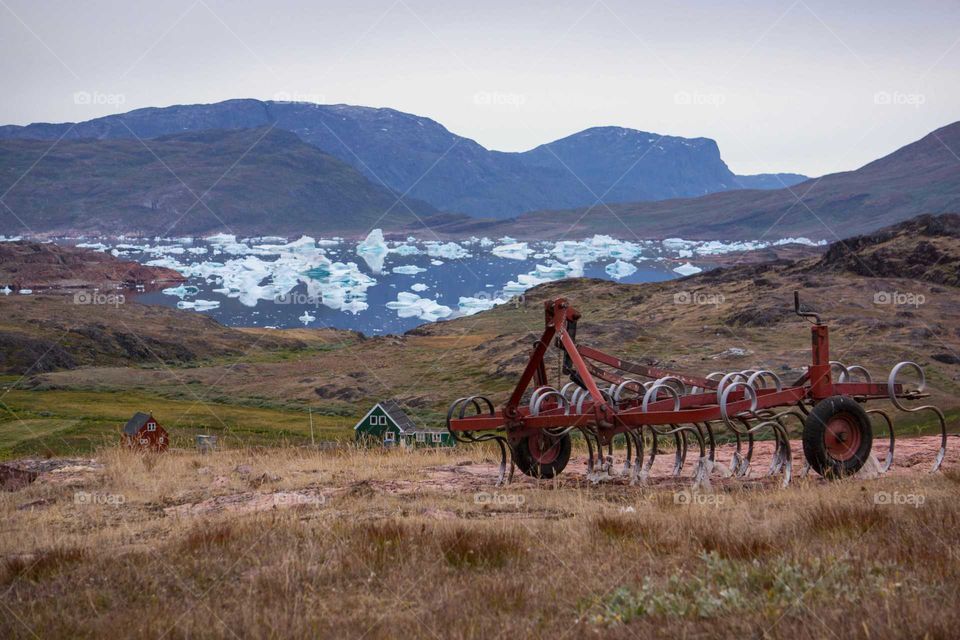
[637, 438]
[891, 383]
[680, 438]
[589, 450]
[888, 461]
[648, 465]
[503, 461]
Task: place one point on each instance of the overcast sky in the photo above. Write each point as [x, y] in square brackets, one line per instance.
[808, 86]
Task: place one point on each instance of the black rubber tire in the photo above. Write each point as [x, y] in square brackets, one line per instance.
[814, 437]
[531, 467]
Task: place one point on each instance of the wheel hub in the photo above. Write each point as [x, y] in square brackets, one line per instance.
[842, 437]
[544, 450]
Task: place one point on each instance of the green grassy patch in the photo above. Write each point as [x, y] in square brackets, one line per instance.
[58, 422]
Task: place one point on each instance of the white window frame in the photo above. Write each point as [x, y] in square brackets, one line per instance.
[151, 426]
[389, 436]
[161, 440]
[438, 437]
[144, 441]
[421, 436]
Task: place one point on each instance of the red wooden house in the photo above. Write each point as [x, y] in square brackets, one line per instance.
[142, 431]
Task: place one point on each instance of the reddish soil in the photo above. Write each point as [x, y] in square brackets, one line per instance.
[34, 265]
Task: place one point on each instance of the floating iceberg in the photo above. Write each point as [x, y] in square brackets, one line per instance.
[687, 248]
[373, 250]
[513, 251]
[545, 273]
[418, 287]
[596, 248]
[405, 250]
[306, 318]
[449, 250]
[470, 305]
[687, 269]
[620, 269]
[436, 263]
[6, 290]
[182, 291]
[198, 305]
[410, 305]
[96, 246]
[408, 270]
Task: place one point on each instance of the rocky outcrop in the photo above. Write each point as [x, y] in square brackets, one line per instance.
[34, 265]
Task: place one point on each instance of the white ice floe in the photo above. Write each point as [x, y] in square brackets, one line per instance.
[471, 305]
[373, 250]
[25, 292]
[405, 249]
[418, 287]
[686, 248]
[252, 278]
[448, 250]
[182, 291]
[436, 263]
[596, 248]
[513, 251]
[687, 269]
[10, 238]
[96, 246]
[306, 318]
[620, 269]
[6, 290]
[486, 242]
[544, 273]
[198, 305]
[410, 305]
[408, 270]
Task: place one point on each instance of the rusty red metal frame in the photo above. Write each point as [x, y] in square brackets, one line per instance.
[599, 413]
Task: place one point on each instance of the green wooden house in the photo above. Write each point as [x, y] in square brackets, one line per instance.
[386, 424]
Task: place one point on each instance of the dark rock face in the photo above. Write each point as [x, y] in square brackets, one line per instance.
[408, 153]
[920, 248]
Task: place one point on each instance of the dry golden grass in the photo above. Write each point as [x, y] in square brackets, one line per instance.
[366, 544]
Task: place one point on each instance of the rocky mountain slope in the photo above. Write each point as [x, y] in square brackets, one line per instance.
[236, 181]
[418, 156]
[922, 177]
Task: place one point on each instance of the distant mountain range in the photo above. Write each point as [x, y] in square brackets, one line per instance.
[922, 177]
[251, 181]
[418, 157]
[290, 168]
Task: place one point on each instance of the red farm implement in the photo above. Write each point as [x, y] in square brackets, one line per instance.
[606, 397]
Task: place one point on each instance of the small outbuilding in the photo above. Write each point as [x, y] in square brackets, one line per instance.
[386, 424]
[142, 431]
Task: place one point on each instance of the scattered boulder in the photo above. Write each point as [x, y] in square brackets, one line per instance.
[14, 479]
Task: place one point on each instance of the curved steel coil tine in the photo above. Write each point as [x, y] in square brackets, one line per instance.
[861, 370]
[535, 409]
[654, 390]
[844, 372]
[539, 391]
[888, 461]
[564, 390]
[921, 386]
[618, 391]
[759, 375]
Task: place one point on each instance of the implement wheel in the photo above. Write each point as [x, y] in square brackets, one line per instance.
[837, 437]
[541, 455]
